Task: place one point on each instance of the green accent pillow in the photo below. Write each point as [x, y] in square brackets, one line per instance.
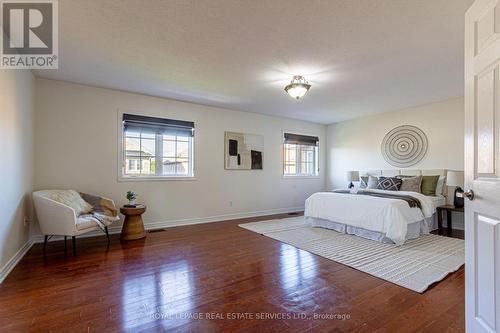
[429, 184]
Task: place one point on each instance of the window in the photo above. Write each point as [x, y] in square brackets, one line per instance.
[133, 165]
[156, 147]
[300, 155]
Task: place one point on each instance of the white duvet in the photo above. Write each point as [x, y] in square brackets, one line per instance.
[388, 216]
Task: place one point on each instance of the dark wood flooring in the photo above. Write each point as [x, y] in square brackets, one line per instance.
[213, 277]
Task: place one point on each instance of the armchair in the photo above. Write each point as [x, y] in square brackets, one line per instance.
[56, 218]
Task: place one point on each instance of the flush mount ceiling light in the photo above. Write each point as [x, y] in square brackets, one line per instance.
[298, 87]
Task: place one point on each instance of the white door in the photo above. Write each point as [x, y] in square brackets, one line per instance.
[482, 166]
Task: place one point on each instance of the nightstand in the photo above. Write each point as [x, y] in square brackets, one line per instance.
[449, 209]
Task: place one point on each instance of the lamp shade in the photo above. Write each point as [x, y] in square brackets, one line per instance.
[455, 178]
[352, 176]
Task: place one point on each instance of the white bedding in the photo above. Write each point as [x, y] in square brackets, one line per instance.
[388, 216]
[437, 201]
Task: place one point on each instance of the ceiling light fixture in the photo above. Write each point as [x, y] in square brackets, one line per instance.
[298, 87]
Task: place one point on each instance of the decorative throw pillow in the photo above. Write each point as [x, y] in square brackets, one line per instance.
[389, 183]
[429, 184]
[440, 185]
[372, 182]
[72, 199]
[363, 182]
[411, 184]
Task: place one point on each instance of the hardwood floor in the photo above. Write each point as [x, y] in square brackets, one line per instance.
[213, 270]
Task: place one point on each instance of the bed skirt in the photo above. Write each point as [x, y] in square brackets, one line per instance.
[415, 230]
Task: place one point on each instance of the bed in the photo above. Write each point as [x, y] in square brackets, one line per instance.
[386, 220]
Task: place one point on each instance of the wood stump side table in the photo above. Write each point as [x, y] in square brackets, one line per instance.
[133, 227]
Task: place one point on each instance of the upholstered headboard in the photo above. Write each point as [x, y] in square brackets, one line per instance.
[408, 172]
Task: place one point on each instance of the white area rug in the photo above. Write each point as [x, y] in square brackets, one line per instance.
[415, 265]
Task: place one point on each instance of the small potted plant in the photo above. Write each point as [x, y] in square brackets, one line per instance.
[131, 197]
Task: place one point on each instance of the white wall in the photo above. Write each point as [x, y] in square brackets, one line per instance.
[77, 140]
[355, 144]
[16, 167]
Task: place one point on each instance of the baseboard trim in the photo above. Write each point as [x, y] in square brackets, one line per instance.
[219, 218]
[181, 222]
[9, 266]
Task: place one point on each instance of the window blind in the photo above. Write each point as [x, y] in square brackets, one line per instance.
[301, 139]
[153, 125]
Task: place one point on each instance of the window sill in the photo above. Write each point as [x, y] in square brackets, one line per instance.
[299, 177]
[156, 179]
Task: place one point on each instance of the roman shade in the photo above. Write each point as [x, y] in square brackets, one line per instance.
[301, 139]
[153, 125]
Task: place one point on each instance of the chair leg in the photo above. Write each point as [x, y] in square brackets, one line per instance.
[65, 246]
[107, 233]
[45, 245]
[74, 245]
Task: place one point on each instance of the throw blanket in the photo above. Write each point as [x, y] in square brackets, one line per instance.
[411, 201]
[104, 211]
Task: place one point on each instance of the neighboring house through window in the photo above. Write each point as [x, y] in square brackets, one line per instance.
[156, 147]
[300, 155]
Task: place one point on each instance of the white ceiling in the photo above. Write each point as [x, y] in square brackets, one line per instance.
[361, 56]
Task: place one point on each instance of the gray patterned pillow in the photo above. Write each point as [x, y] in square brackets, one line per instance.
[372, 182]
[389, 183]
[411, 184]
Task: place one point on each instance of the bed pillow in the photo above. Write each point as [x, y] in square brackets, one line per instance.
[72, 199]
[389, 183]
[429, 185]
[363, 182]
[412, 184]
[440, 185]
[372, 182]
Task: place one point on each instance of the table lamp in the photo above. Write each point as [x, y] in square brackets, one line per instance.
[352, 176]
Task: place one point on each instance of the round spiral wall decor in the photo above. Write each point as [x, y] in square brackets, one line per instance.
[404, 146]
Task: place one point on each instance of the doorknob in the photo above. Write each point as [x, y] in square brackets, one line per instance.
[469, 194]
